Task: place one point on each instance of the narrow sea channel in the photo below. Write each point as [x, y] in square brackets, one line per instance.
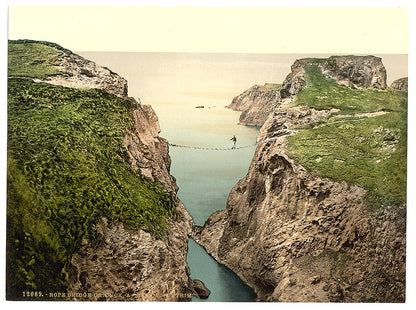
[174, 84]
[205, 178]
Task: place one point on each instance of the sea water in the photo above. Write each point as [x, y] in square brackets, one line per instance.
[205, 178]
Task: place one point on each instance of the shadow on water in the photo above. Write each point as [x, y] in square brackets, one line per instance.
[224, 284]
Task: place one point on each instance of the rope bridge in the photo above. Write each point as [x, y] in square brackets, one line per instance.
[212, 148]
[280, 134]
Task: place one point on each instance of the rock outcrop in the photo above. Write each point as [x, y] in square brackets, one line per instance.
[256, 103]
[352, 71]
[200, 289]
[400, 84]
[78, 72]
[133, 266]
[147, 152]
[293, 236]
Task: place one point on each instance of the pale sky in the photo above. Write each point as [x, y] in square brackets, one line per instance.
[359, 30]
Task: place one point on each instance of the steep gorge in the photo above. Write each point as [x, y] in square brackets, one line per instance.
[296, 234]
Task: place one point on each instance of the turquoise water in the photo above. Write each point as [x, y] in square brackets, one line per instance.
[205, 179]
[224, 285]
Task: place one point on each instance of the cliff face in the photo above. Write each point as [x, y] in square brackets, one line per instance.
[108, 223]
[147, 152]
[294, 236]
[130, 265]
[400, 84]
[256, 103]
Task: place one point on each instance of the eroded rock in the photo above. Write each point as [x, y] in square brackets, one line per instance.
[78, 72]
[400, 84]
[256, 103]
[200, 289]
[352, 71]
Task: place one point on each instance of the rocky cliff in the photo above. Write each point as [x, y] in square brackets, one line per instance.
[400, 84]
[293, 235]
[94, 173]
[129, 265]
[256, 103]
[352, 71]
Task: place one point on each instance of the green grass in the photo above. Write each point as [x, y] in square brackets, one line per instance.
[33, 60]
[322, 93]
[370, 152]
[67, 170]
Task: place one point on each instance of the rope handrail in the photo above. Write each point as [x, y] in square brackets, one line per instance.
[211, 148]
[280, 134]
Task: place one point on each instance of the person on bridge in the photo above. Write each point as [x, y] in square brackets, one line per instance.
[234, 139]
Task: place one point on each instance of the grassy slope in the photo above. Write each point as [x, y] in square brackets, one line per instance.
[34, 60]
[66, 170]
[368, 151]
